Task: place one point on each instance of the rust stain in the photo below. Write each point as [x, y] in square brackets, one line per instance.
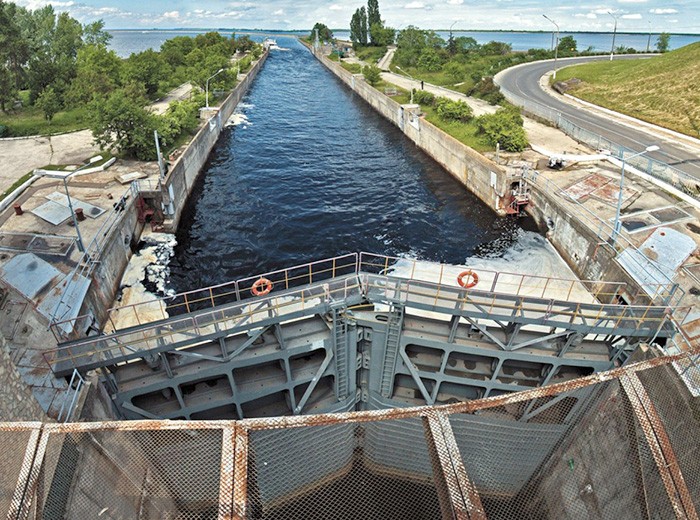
[583, 188]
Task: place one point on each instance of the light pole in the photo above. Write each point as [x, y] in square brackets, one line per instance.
[556, 46]
[64, 177]
[207, 89]
[410, 77]
[617, 225]
[451, 41]
[649, 39]
[612, 49]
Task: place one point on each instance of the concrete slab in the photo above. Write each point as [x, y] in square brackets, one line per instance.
[45, 244]
[52, 212]
[583, 188]
[29, 274]
[60, 307]
[610, 193]
[10, 317]
[88, 209]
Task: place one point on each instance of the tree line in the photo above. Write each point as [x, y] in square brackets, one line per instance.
[54, 63]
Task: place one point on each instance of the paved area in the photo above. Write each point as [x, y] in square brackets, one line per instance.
[177, 94]
[20, 156]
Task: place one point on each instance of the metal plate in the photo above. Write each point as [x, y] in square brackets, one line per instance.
[29, 274]
[52, 212]
[644, 220]
[88, 209]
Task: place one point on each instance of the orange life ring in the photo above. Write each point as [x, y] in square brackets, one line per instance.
[261, 287]
[468, 279]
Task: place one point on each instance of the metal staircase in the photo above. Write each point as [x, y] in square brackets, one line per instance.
[391, 347]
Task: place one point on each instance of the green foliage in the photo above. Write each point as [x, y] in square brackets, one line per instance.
[505, 128]
[430, 60]
[94, 34]
[324, 33]
[48, 103]
[373, 16]
[663, 42]
[98, 73]
[3, 131]
[180, 118]
[146, 67]
[381, 36]
[121, 122]
[372, 74]
[567, 46]
[354, 68]
[423, 97]
[449, 110]
[487, 90]
[370, 54]
[358, 27]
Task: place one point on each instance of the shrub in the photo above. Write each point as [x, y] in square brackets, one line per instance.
[504, 127]
[449, 110]
[372, 74]
[423, 97]
[3, 131]
[487, 90]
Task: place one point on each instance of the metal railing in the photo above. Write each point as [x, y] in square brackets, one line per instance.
[662, 171]
[74, 387]
[498, 457]
[666, 293]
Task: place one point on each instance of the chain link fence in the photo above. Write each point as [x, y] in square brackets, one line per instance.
[620, 444]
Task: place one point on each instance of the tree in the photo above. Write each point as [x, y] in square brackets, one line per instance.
[147, 67]
[505, 128]
[94, 34]
[381, 36]
[430, 60]
[494, 48]
[466, 44]
[120, 121]
[356, 28]
[372, 74]
[98, 73]
[662, 43]
[373, 18]
[324, 33]
[363, 26]
[567, 46]
[48, 103]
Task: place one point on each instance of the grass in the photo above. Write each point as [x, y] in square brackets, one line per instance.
[371, 55]
[354, 68]
[29, 120]
[662, 90]
[16, 185]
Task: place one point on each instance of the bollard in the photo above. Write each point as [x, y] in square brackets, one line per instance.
[18, 209]
[79, 214]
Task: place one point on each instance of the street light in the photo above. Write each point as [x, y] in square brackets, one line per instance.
[451, 40]
[207, 89]
[410, 77]
[649, 39]
[556, 46]
[612, 50]
[64, 176]
[617, 225]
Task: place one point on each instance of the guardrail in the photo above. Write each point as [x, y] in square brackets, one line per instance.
[657, 169]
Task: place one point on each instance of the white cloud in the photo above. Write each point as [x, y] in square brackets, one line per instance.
[663, 11]
[414, 5]
[590, 16]
[172, 14]
[279, 12]
[632, 1]
[455, 2]
[335, 7]
[633, 16]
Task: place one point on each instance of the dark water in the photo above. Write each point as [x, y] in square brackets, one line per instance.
[317, 173]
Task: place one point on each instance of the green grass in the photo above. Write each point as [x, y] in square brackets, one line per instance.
[354, 68]
[30, 120]
[16, 185]
[662, 90]
[370, 54]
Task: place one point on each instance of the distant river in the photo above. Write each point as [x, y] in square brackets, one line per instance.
[310, 171]
[125, 42]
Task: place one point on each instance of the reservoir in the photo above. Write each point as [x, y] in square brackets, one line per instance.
[308, 171]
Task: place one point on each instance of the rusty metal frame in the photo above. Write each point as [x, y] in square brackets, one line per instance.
[456, 493]
[33, 477]
[660, 446]
[17, 502]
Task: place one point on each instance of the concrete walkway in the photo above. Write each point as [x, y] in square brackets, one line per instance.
[385, 62]
[177, 94]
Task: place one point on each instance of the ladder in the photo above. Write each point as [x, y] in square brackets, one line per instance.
[340, 349]
[391, 347]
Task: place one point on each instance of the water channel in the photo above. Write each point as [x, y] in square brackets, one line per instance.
[309, 171]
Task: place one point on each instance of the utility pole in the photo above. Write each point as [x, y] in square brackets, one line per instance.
[649, 39]
[556, 47]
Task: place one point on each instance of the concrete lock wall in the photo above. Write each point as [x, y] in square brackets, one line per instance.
[183, 174]
[483, 177]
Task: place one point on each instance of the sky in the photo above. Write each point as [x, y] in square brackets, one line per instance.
[582, 15]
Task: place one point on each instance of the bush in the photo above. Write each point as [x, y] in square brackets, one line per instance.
[372, 74]
[423, 97]
[449, 110]
[505, 127]
[3, 131]
[487, 90]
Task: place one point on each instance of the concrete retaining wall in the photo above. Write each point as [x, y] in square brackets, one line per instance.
[183, 173]
[486, 179]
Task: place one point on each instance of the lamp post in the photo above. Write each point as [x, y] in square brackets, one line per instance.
[556, 46]
[409, 77]
[207, 89]
[64, 177]
[612, 49]
[451, 40]
[617, 225]
[649, 39]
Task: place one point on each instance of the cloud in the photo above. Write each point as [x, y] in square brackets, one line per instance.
[279, 12]
[590, 16]
[632, 1]
[663, 11]
[414, 5]
[633, 16]
[172, 14]
[455, 2]
[335, 7]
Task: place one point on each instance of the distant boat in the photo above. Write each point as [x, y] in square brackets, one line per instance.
[271, 44]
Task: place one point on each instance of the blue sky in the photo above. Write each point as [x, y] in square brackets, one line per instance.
[633, 15]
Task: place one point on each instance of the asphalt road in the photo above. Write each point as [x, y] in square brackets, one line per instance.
[524, 82]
